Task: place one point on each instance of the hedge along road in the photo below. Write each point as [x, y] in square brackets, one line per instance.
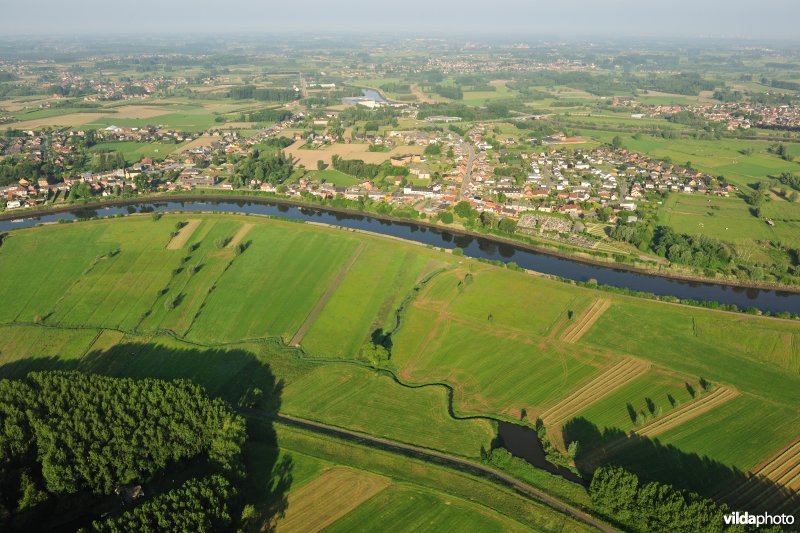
[463, 464]
[474, 245]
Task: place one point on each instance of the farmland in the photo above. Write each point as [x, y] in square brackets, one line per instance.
[215, 297]
[135, 151]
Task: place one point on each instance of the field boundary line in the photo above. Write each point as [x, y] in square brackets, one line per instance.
[322, 302]
[577, 329]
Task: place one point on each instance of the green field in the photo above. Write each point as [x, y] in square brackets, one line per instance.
[339, 179]
[197, 121]
[121, 297]
[428, 494]
[729, 219]
[135, 151]
[716, 157]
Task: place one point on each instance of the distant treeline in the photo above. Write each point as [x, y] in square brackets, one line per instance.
[265, 115]
[246, 92]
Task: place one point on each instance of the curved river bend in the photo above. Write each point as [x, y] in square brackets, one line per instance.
[743, 297]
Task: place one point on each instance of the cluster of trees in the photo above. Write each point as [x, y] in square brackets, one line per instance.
[697, 250]
[265, 115]
[265, 167]
[639, 235]
[780, 150]
[278, 142]
[13, 169]
[694, 250]
[653, 506]
[396, 88]
[356, 167]
[453, 92]
[198, 505]
[246, 92]
[105, 161]
[787, 178]
[486, 219]
[68, 433]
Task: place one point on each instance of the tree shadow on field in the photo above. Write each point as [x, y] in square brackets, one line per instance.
[651, 460]
[235, 375]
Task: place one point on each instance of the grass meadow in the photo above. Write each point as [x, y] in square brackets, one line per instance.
[112, 296]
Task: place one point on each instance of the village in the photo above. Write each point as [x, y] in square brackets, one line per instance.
[559, 189]
[733, 115]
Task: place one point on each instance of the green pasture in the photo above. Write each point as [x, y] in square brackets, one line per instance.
[658, 386]
[134, 151]
[364, 401]
[339, 179]
[188, 121]
[729, 219]
[207, 313]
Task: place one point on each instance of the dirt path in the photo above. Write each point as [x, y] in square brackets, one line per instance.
[241, 234]
[183, 236]
[688, 411]
[601, 386]
[587, 319]
[421, 96]
[334, 284]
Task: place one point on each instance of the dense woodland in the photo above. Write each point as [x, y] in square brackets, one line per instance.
[68, 441]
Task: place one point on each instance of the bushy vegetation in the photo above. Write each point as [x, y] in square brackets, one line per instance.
[264, 167]
[621, 496]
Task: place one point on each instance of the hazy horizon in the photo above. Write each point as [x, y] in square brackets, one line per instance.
[724, 19]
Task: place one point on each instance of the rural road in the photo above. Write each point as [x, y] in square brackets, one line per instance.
[467, 172]
[450, 460]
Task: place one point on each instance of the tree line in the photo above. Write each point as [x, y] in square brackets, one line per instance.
[246, 92]
[623, 497]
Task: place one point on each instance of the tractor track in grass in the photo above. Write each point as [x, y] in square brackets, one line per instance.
[332, 286]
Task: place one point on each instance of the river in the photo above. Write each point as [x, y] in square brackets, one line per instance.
[482, 247]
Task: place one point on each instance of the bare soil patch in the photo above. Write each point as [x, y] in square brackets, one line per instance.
[183, 236]
[241, 234]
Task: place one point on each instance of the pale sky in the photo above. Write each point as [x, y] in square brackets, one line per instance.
[746, 19]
